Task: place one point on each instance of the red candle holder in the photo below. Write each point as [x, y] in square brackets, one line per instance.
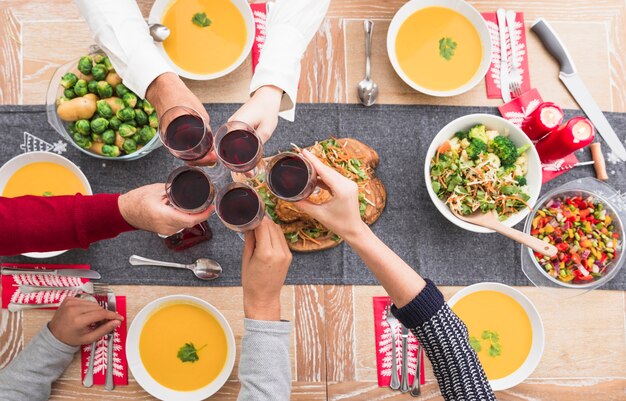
[546, 117]
[568, 138]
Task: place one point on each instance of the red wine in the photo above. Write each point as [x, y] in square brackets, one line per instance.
[186, 136]
[288, 177]
[239, 147]
[190, 190]
[239, 206]
[189, 237]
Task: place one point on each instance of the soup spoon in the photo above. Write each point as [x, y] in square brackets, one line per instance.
[367, 89]
[159, 32]
[203, 268]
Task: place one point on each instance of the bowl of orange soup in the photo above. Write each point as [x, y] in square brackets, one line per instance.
[505, 330]
[208, 38]
[439, 47]
[42, 174]
[180, 348]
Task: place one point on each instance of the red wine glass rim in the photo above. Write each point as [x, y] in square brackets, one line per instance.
[190, 112]
[226, 129]
[175, 174]
[310, 170]
[226, 189]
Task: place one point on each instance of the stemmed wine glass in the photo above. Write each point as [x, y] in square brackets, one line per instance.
[239, 207]
[189, 189]
[240, 149]
[291, 177]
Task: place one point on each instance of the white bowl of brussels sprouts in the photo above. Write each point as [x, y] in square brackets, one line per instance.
[89, 106]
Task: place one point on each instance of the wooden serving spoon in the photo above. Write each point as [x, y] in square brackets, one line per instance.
[490, 220]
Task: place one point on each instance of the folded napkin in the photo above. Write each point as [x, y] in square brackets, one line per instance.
[259, 12]
[517, 109]
[120, 364]
[11, 283]
[383, 337]
[492, 79]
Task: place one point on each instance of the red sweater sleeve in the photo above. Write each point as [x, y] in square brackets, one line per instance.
[41, 224]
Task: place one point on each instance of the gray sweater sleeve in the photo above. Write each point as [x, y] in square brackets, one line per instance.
[264, 366]
[30, 375]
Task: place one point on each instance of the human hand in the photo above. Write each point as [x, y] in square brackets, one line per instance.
[261, 111]
[264, 265]
[147, 208]
[341, 213]
[79, 321]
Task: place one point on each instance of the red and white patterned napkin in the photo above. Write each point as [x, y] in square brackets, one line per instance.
[11, 284]
[383, 337]
[259, 12]
[120, 364]
[492, 79]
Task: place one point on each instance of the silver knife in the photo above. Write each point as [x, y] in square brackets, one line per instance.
[404, 383]
[82, 273]
[108, 385]
[504, 65]
[570, 78]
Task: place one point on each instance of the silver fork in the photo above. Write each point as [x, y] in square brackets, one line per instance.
[515, 78]
[393, 323]
[87, 287]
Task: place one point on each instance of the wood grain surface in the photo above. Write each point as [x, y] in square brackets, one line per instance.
[332, 341]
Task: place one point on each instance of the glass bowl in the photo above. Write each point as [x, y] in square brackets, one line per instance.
[615, 207]
[55, 90]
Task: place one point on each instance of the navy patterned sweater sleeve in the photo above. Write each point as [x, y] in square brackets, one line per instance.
[446, 341]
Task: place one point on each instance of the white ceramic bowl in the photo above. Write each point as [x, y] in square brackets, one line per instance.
[141, 374]
[156, 17]
[538, 340]
[516, 135]
[462, 8]
[9, 168]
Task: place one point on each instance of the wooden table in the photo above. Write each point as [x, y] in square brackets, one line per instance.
[333, 345]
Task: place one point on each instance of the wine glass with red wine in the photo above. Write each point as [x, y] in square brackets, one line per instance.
[239, 207]
[239, 148]
[291, 177]
[185, 133]
[189, 189]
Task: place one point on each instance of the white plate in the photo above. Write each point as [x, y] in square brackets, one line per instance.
[462, 8]
[538, 341]
[156, 17]
[141, 374]
[533, 177]
[9, 168]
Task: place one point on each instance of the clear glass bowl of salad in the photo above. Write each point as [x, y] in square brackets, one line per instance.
[583, 219]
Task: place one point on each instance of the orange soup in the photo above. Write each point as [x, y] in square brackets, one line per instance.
[43, 179]
[438, 49]
[209, 49]
[172, 329]
[499, 329]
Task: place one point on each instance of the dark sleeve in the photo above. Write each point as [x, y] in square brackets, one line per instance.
[446, 341]
[41, 224]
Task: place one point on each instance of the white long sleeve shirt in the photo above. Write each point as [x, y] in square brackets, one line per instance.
[120, 30]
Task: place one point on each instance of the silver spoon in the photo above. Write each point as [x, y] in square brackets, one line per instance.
[203, 268]
[159, 32]
[367, 89]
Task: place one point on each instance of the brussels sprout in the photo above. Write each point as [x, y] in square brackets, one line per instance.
[69, 80]
[107, 63]
[141, 117]
[111, 150]
[114, 123]
[71, 128]
[81, 87]
[83, 127]
[96, 137]
[153, 120]
[131, 122]
[92, 86]
[99, 72]
[137, 138]
[82, 141]
[108, 137]
[147, 107]
[147, 133]
[104, 109]
[61, 100]
[121, 90]
[97, 58]
[126, 114]
[104, 89]
[99, 125]
[139, 104]
[129, 145]
[126, 131]
[130, 99]
[69, 93]
[84, 65]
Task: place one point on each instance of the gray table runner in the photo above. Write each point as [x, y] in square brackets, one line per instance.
[411, 225]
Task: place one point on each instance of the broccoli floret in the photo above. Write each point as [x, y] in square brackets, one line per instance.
[461, 135]
[505, 149]
[475, 148]
[521, 180]
[479, 132]
[522, 149]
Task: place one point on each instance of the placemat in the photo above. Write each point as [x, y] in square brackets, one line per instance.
[411, 224]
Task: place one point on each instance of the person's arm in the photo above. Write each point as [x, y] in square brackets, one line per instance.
[30, 375]
[421, 306]
[264, 367]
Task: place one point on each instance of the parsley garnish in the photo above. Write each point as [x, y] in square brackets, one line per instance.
[446, 48]
[47, 193]
[475, 344]
[493, 339]
[201, 20]
[189, 353]
[292, 237]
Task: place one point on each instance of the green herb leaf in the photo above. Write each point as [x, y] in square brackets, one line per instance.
[189, 353]
[201, 20]
[362, 205]
[495, 350]
[292, 237]
[486, 335]
[47, 193]
[335, 238]
[446, 48]
[475, 344]
[312, 232]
